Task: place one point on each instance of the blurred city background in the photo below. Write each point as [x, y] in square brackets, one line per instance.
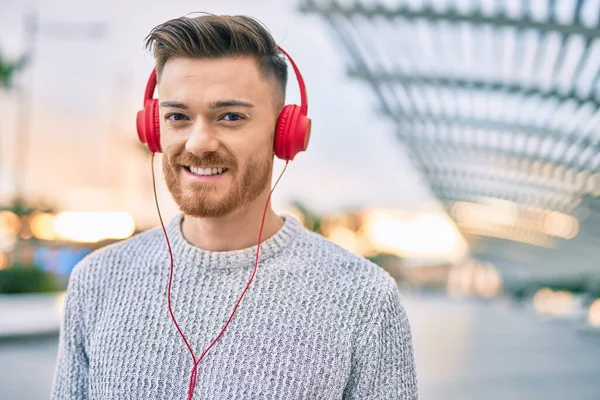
[454, 143]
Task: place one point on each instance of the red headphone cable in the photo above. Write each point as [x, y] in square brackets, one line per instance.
[196, 362]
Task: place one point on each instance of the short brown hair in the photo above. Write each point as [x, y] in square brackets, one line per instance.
[214, 36]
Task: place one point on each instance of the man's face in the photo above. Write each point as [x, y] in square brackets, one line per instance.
[217, 118]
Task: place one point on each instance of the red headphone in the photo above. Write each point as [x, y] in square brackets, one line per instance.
[292, 133]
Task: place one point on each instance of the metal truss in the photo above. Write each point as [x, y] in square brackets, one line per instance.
[475, 17]
[501, 103]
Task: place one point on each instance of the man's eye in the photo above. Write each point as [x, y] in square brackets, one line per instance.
[232, 117]
[176, 117]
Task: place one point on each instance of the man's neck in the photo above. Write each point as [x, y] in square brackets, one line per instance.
[238, 230]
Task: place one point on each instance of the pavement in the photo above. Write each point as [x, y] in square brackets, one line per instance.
[30, 314]
[465, 350]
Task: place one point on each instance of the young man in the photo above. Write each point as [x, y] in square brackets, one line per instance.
[317, 322]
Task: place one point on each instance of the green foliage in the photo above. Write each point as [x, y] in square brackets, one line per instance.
[382, 259]
[8, 70]
[20, 278]
[582, 285]
[592, 286]
[312, 220]
[21, 208]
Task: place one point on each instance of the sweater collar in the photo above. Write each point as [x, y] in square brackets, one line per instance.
[242, 258]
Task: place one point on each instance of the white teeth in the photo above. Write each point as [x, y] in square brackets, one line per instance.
[207, 171]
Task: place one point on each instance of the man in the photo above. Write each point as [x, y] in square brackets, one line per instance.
[317, 322]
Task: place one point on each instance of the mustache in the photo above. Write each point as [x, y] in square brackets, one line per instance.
[210, 160]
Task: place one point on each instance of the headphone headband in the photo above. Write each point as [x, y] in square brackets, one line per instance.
[150, 86]
[303, 97]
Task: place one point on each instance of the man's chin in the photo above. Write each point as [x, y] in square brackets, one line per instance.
[205, 212]
[206, 205]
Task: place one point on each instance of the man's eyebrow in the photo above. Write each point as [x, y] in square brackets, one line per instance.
[213, 105]
[173, 104]
[230, 103]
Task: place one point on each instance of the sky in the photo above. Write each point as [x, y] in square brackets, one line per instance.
[85, 93]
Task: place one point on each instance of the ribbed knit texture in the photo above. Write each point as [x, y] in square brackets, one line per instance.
[318, 322]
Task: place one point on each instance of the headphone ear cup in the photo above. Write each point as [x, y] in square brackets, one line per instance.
[280, 143]
[293, 132]
[148, 125]
[301, 136]
[152, 126]
[140, 124]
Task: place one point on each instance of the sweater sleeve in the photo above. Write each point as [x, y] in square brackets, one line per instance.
[71, 370]
[383, 365]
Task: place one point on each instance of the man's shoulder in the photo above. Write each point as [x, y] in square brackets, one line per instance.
[103, 259]
[348, 278]
[343, 265]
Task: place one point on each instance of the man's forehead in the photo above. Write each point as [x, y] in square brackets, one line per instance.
[215, 79]
[241, 70]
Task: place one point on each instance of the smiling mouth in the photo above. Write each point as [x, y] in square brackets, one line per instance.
[206, 171]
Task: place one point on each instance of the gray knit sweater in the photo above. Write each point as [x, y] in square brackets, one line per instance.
[317, 323]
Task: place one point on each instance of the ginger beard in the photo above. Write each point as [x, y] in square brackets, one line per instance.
[212, 200]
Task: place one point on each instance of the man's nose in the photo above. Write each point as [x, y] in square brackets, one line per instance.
[203, 139]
